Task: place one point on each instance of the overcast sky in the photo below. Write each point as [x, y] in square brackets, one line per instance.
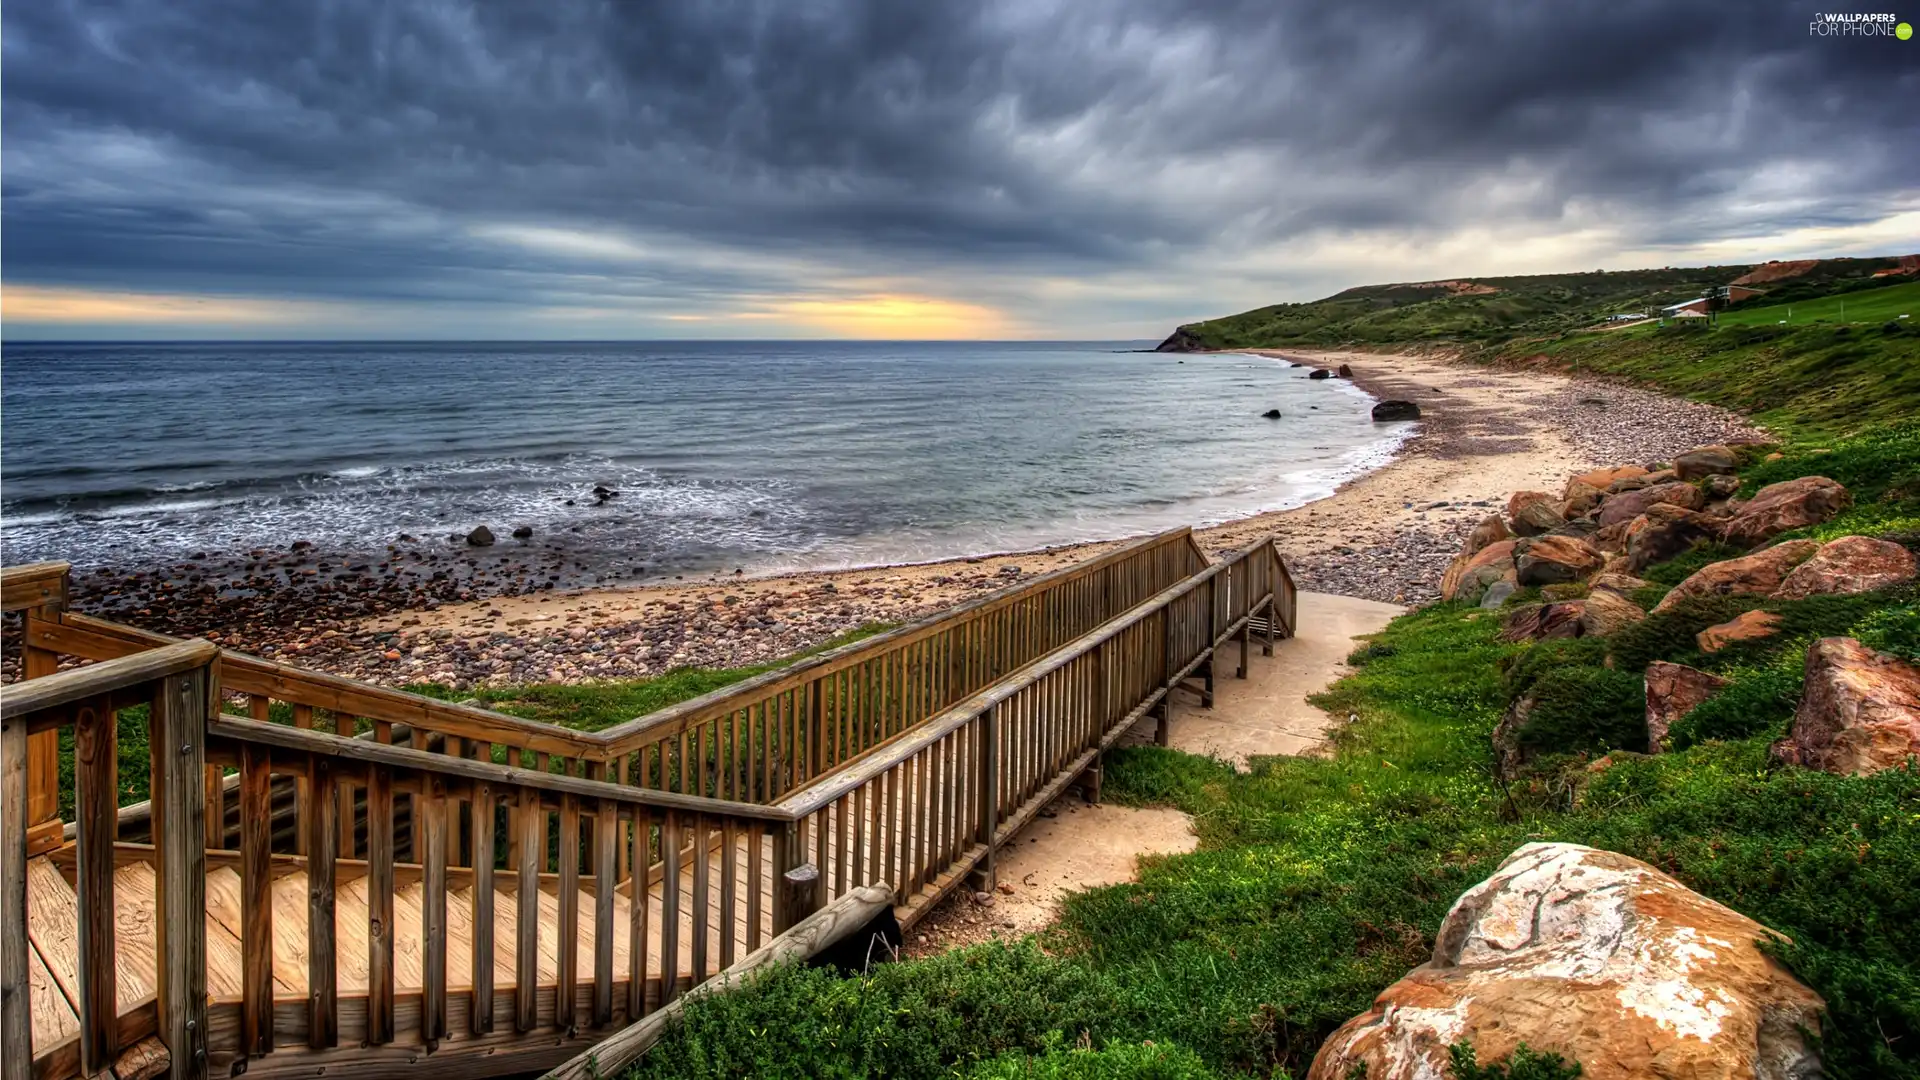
[909, 168]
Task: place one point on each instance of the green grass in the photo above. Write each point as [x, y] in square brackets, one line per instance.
[1866, 306]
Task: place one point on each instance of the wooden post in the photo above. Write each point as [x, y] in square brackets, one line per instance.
[96, 775]
[16, 1018]
[802, 893]
[323, 971]
[1272, 602]
[380, 943]
[256, 900]
[44, 831]
[1246, 636]
[983, 876]
[484, 819]
[178, 717]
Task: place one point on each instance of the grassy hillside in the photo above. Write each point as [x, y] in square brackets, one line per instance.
[1494, 310]
[1862, 306]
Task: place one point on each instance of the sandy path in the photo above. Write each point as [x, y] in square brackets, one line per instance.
[1074, 845]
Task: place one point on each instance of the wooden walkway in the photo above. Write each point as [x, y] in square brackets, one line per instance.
[269, 924]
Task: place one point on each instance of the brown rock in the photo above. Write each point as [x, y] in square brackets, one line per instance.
[1602, 479]
[1722, 487]
[1748, 626]
[1538, 622]
[1600, 958]
[1706, 461]
[1673, 690]
[1859, 713]
[1851, 564]
[1544, 560]
[1758, 574]
[1664, 532]
[1491, 530]
[1471, 573]
[1623, 584]
[1631, 504]
[1533, 512]
[1611, 538]
[1791, 504]
[1661, 476]
[1605, 612]
[1580, 498]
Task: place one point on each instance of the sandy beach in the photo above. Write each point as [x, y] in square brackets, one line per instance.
[1384, 536]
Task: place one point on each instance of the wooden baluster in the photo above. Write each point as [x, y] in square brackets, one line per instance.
[347, 727]
[669, 906]
[302, 797]
[756, 882]
[567, 933]
[178, 715]
[16, 1018]
[41, 758]
[433, 913]
[637, 915]
[96, 804]
[216, 797]
[989, 792]
[532, 820]
[323, 1029]
[380, 924]
[485, 818]
[606, 829]
[700, 909]
[256, 898]
[729, 887]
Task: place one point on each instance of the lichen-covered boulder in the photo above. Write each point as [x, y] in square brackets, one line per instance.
[1758, 574]
[1673, 691]
[1666, 531]
[1547, 560]
[1605, 612]
[1491, 530]
[1706, 461]
[1538, 622]
[1600, 958]
[1631, 504]
[1469, 574]
[1624, 584]
[1580, 499]
[1859, 711]
[1851, 564]
[1747, 626]
[1790, 504]
[1533, 512]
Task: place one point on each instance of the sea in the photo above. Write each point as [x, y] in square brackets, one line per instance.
[764, 456]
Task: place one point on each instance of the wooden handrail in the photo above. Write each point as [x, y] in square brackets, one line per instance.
[33, 585]
[628, 734]
[75, 684]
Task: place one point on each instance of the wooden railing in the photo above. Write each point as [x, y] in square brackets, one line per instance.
[693, 837]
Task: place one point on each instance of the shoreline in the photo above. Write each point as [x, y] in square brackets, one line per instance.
[1384, 535]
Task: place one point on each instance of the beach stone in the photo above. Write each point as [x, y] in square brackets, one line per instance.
[1722, 487]
[1859, 712]
[1396, 410]
[1634, 482]
[1673, 690]
[1491, 530]
[1602, 479]
[1605, 612]
[1271, 414]
[522, 532]
[1346, 371]
[1533, 512]
[1580, 498]
[1665, 531]
[480, 536]
[1628, 505]
[1498, 593]
[1758, 574]
[1319, 373]
[1539, 622]
[1706, 461]
[1545, 560]
[1600, 958]
[1747, 626]
[1612, 581]
[1790, 504]
[1469, 574]
[1851, 564]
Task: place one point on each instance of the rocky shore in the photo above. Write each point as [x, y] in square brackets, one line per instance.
[527, 609]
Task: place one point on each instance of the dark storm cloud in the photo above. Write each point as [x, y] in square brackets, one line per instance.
[391, 150]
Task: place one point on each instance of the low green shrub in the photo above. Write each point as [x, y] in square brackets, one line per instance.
[1117, 1061]
[1758, 702]
[1585, 709]
[1524, 1063]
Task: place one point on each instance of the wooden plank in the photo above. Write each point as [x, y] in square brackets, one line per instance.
[32, 585]
[322, 971]
[379, 905]
[532, 820]
[77, 684]
[606, 867]
[433, 915]
[179, 712]
[485, 816]
[669, 905]
[702, 915]
[256, 903]
[16, 1005]
[96, 776]
[638, 915]
[820, 930]
[567, 932]
[43, 749]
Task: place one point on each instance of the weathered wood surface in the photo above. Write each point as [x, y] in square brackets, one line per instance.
[50, 693]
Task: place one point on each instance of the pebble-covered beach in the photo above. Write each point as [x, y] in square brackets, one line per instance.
[526, 609]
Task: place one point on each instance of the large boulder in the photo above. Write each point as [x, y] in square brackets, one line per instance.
[1396, 410]
[1602, 479]
[1600, 958]
[1758, 574]
[1631, 504]
[1533, 513]
[1851, 564]
[1491, 530]
[1538, 622]
[1547, 560]
[1747, 626]
[1624, 584]
[1673, 691]
[1706, 461]
[1859, 712]
[1790, 504]
[1468, 574]
[1666, 531]
[1605, 612]
[1580, 499]
[481, 536]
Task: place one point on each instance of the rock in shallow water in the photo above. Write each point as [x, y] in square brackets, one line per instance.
[1396, 410]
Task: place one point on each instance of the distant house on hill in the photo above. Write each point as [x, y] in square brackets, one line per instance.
[1695, 307]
